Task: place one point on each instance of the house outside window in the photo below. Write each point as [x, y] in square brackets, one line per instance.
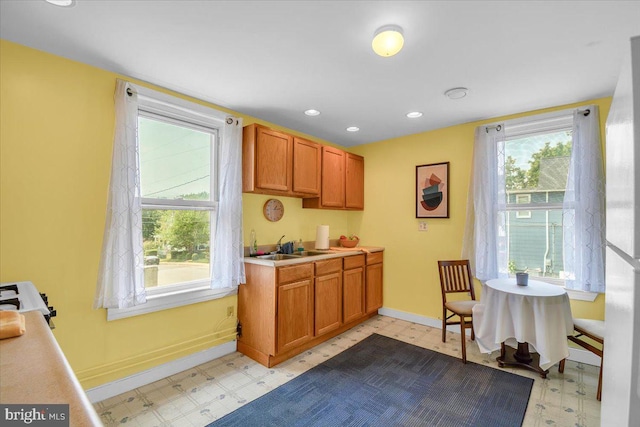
[523, 199]
[536, 171]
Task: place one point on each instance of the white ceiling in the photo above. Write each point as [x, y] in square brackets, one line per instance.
[275, 59]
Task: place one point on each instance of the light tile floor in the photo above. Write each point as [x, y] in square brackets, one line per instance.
[207, 392]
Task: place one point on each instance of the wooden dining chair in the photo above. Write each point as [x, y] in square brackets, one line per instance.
[593, 329]
[455, 277]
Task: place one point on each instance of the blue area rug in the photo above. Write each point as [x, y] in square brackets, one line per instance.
[385, 382]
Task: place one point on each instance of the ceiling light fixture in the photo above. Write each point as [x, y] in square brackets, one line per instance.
[63, 3]
[353, 129]
[387, 40]
[414, 114]
[312, 112]
[457, 92]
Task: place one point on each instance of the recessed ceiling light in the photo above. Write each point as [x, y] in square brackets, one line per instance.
[63, 3]
[353, 129]
[414, 114]
[312, 112]
[387, 40]
[457, 92]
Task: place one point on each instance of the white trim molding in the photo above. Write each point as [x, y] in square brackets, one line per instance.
[123, 385]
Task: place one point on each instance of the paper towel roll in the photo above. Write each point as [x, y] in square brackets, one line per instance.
[322, 237]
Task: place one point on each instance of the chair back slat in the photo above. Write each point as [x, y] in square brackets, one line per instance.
[455, 276]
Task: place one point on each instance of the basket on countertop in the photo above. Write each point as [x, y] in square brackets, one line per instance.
[348, 243]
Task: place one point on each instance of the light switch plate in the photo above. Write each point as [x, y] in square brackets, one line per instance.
[422, 226]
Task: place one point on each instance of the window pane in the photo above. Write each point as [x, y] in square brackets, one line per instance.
[535, 243]
[175, 161]
[176, 246]
[540, 163]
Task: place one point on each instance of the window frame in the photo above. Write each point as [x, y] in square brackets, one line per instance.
[159, 105]
[539, 125]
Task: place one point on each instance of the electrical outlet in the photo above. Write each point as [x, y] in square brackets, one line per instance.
[422, 226]
[230, 311]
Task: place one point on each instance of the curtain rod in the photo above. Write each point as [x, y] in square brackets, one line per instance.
[499, 127]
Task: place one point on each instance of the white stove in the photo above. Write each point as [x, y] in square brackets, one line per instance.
[24, 296]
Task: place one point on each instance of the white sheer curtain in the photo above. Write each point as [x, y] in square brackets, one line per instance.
[583, 207]
[485, 239]
[227, 269]
[121, 273]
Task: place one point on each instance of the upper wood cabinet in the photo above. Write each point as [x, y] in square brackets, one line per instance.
[275, 162]
[342, 181]
[307, 158]
[354, 182]
[332, 194]
[267, 156]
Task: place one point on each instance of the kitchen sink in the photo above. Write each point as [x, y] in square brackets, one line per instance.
[310, 253]
[277, 257]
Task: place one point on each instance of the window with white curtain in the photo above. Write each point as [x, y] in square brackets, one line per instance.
[177, 185]
[176, 175]
[536, 200]
[536, 171]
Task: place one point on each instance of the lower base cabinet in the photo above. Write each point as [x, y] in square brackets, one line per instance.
[295, 314]
[283, 311]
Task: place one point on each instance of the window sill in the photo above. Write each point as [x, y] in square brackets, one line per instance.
[170, 300]
[581, 295]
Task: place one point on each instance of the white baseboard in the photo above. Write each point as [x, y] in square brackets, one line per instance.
[165, 370]
[575, 354]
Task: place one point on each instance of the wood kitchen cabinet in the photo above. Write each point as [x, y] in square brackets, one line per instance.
[307, 161]
[283, 311]
[267, 158]
[342, 181]
[354, 182]
[277, 163]
[354, 288]
[332, 194]
[373, 282]
[280, 164]
[295, 306]
[328, 296]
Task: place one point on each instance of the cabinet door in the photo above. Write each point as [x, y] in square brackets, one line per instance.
[374, 288]
[274, 157]
[328, 307]
[354, 182]
[332, 177]
[353, 296]
[307, 160]
[295, 314]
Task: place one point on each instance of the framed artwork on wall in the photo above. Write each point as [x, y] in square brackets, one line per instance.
[432, 190]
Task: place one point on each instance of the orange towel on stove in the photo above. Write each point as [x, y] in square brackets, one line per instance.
[11, 324]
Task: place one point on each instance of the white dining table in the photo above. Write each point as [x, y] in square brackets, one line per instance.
[533, 321]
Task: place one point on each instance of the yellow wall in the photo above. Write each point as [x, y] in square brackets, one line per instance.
[411, 282]
[56, 140]
[56, 119]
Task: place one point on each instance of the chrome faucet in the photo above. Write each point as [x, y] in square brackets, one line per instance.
[279, 245]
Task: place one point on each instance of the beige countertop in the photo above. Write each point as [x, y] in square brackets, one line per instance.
[328, 254]
[33, 370]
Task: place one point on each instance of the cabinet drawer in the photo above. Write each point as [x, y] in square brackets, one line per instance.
[353, 261]
[328, 266]
[374, 258]
[295, 272]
